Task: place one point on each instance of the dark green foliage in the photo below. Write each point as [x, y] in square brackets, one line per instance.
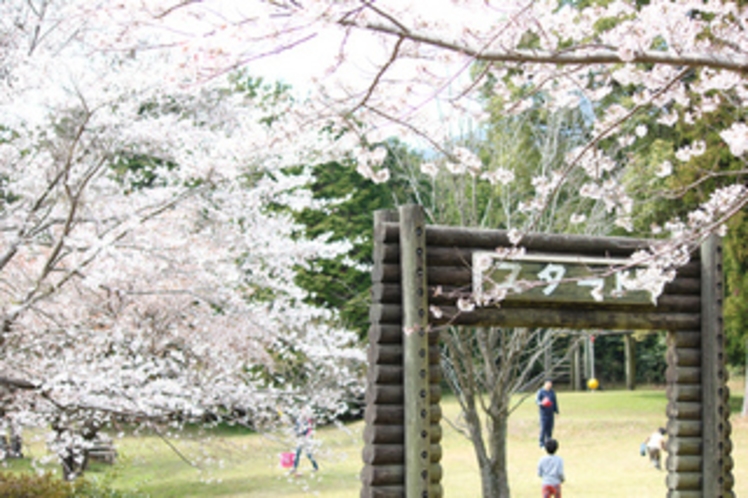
[338, 284]
[659, 200]
[736, 289]
[692, 182]
[650, 359]
[609, 364]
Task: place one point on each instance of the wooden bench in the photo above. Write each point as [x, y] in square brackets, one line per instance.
[102, 451]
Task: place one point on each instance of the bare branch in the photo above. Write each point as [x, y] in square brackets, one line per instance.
[597, 139]
[588, 55]
[18, 383]
[378, 77]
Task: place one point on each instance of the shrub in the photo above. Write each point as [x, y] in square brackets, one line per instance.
[17, 485]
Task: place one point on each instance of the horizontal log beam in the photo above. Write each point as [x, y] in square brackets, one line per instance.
[389, 253]
[387, 475]
[684, 481]
[384, 454]
[684, 445]
[685, 339]
[386, 273]
[395, 394]
[394, 454]
[384, 434]
[382, 492]
[389, 314]
[570, 318]
[679, 392]
[394, 414]
[684, 357]
[393, 434]
[685, 494]
[383, 475]
[435, 491]
[683, 375]
[383, 292]
[684, 411]
[448, 236]
[385, 374]
[684, 428]
[392, 374]
[384, 333]
[392, 354]
[683, 463]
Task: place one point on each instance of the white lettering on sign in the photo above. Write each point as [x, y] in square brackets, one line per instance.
[552, 274]
[597, 285]
[623, 281]
[510, 282]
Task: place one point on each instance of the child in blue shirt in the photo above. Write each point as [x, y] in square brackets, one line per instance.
[551, 470]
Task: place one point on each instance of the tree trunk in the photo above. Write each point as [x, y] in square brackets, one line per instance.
[494, 476]
[494, 482]
[744, 412]
[491, 453]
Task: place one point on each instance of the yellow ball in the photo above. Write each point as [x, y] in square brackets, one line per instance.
[593, 384]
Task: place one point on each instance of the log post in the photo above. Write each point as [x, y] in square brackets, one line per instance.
[717, 479]
[629, 352]
[415, 351]
[744, 411]
[576, 373]
[384, 425]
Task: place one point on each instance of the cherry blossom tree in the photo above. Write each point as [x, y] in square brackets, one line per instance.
[378, 68]
[144, 274]
[85, 83]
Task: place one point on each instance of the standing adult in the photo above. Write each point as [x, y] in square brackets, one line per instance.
[548, 405]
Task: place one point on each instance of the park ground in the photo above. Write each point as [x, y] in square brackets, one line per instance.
[599, 434]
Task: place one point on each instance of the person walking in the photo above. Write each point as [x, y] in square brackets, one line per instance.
[304, 428]
[551, 470]
[655, 446]
[548, 405]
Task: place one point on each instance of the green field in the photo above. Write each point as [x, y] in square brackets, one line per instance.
[599, 434]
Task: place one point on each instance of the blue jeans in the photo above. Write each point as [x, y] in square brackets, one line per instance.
[298, 457]
[546, 428]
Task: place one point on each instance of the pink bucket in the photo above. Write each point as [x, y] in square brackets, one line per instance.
[287, 459]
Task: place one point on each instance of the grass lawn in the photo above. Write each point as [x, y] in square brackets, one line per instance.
[599, 435]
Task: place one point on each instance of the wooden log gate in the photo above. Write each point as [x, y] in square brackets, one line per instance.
[417, 266]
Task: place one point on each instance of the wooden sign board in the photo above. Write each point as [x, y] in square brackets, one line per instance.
[553, 278]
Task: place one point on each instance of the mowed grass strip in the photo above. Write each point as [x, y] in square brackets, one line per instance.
[599, 435]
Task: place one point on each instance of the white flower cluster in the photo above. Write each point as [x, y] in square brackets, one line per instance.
[145, 274]
[736, 137]
[369, 160]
